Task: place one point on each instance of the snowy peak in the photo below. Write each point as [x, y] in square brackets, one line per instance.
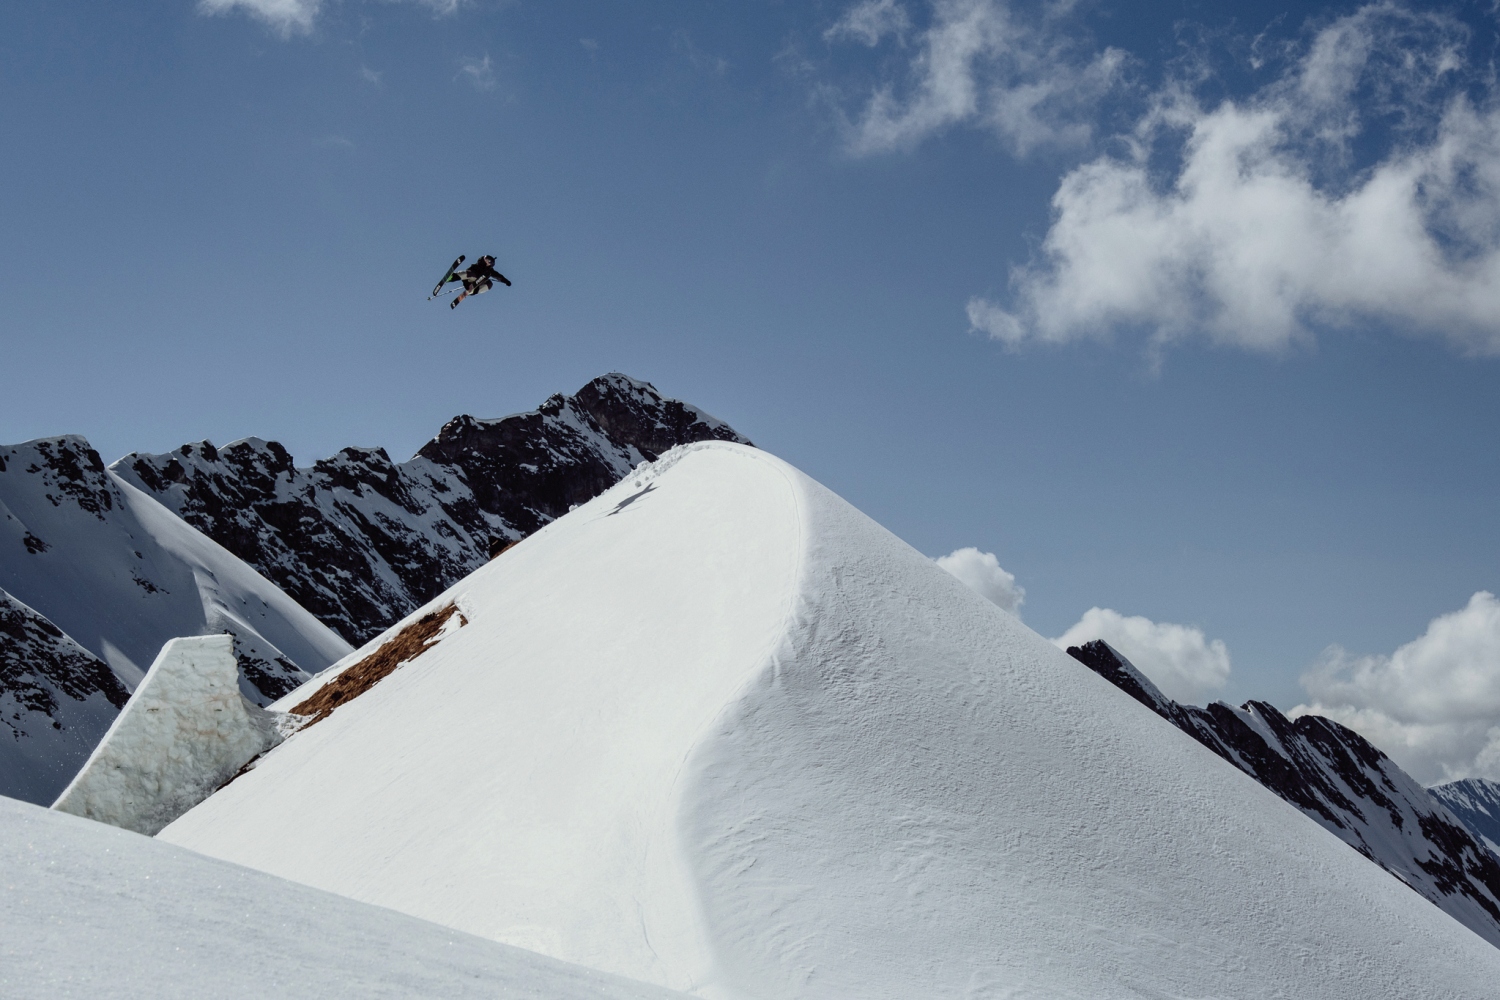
[1341, 781]
[1476, 801]
[117, 574]
[360, 540]
[718, 731]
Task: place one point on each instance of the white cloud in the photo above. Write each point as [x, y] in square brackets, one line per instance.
[289, 17]
[869, 22]
[981, 572]
[1267, 227]
[976, 63]
[1179, 659]
[479, 72]
[296, 17]
[1433, 704]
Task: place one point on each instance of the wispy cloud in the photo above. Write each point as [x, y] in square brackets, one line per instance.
[977, 63]
[1268, 224]
[297, 17]
[288, 17]
[869, 22]
[479, 72]
[698, 58]
[981, 573]
[1433, 704]
[1179, 659]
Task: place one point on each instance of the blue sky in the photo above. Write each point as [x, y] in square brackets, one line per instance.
[1186, 311]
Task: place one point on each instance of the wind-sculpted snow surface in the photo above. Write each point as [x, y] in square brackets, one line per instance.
[1341, 781]
[360, 540]
[91, 912]
[119, 575]
[719, 731]
[1476, 801]
[56, 700]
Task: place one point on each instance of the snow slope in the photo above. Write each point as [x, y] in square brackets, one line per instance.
[56, 698]
[1476, 801]
[121, 574]
[1342, 782]
[360, 540]
[717, 730]
[91, 912]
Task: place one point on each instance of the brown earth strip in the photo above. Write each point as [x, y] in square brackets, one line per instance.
[405, 646]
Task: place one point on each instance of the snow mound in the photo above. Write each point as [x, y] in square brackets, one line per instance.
[719, 731]
[186, 731]
[90, 912]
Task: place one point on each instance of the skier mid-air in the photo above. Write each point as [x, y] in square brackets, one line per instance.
[478, 278]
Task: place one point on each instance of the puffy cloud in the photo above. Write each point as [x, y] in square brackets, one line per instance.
[981, 572]
[1179, 659]
[1268, 224]
[1433, 704]
[976, 63]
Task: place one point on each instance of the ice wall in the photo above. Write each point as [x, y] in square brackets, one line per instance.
[184, 733]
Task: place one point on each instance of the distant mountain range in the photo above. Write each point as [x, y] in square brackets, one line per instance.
[1345, 784]
[360, 540]
[1476, 801]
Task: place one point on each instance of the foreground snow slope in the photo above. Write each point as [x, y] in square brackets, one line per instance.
[718, 730]
[91, 912]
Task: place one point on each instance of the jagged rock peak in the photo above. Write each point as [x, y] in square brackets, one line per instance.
[360, 540]
[1341, 781]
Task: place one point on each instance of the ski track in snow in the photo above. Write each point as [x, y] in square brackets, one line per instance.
[740, 740]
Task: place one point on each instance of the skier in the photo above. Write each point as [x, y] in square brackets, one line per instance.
[478, 278]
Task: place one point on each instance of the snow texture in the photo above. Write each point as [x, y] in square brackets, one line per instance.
[90, 912]
[186, 731]
[360, 540]
[1476, 801]
[719, 731]
[56, 698]
[1341, 781]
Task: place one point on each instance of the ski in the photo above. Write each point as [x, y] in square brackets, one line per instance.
[446, 277]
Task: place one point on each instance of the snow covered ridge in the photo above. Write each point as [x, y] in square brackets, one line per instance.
[1476, 801]
[360, 540]
[90, 912]
[1344, 783]
[117, 574]
[718, 731]
[56, 698]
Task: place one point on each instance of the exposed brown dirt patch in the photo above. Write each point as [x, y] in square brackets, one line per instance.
[405, 646]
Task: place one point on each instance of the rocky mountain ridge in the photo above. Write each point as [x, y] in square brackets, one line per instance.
[360, 540]
[1476, 801]
[1343, 783]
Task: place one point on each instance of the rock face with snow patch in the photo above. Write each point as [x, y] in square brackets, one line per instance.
[185, 732]
[119, 575]
[56, 700]
[718, 731]
[1341, 781]
[1476, 801]
[360, 540]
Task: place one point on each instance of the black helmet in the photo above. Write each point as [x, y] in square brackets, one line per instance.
[487, 259]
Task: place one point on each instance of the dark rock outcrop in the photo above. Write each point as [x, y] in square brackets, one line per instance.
[361, 541]
[1342, 782]
[1476, 801]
